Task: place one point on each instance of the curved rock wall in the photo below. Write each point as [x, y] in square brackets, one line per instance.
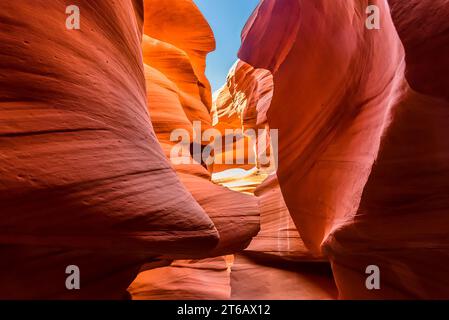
[86, 118]
[84, 180]
[367, 153]
[241, 104]
[174, 52]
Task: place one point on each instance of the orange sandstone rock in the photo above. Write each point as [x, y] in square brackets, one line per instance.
[243, 101]
[205, 279]
[169, 22]
[83, 178]
[170, 74]
[401, 224]
[333, 92]
[253, 278]
[240, 107]
[362, 157]
[176, 41]
[278, 237]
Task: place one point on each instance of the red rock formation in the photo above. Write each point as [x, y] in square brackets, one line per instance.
[170, 74]
[241, 104]
[362, 158]
[253, 278]
[243, 101]
[174, 52]
[86, 118]
[169, 21]
[83, 178]
[401, 224]
[184, 280]
[278, 236]
[325, 122]
[423, 28]
[276, 258]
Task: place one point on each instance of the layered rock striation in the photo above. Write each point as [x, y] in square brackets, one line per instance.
[84, 180]
[362, 156]
[358, 177]
[178, 93]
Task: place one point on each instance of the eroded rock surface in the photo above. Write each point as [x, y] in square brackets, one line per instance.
[362, 158]
[174, 52]
[86, 177]
[84, 180]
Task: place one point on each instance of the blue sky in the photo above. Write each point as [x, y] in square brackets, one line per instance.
[227, 19]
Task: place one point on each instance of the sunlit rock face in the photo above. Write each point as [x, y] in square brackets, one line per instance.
[86, 177]
[363, 160]
[278, 237]
[180, 25]
[240, 107]
[244, 99]
[84, 180]
[335, 91]
[175, 43]
[166, 75]
[277, 257]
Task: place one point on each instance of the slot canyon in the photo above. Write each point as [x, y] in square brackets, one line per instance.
[359, 177]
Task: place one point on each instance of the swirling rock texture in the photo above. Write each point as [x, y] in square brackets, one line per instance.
[84, 180]
[276, 257]
[174, 52]
[241, 104]
[363, 161]
[86, 118]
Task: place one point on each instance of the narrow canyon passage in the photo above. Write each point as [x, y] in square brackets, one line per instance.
[275, 258]
[323, 165]
[323, 173]
[321, 156]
